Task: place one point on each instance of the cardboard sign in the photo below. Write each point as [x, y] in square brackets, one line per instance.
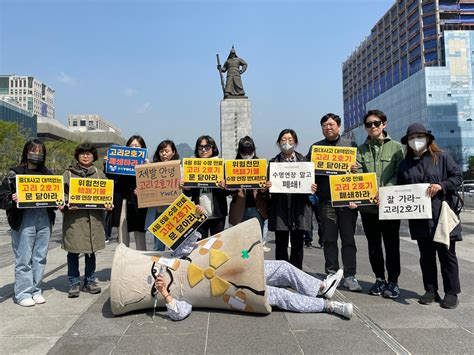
[39, 191]
[358, 188]
[122, 160]
[199, 172]
[405, 202]
[158, 183]
[246, 173]
[332, 160]
[291, 178]
[177, 222]
[85, 193]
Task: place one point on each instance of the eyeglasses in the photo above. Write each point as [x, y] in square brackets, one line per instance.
[373, 123]
[204, 147]
[86, 153]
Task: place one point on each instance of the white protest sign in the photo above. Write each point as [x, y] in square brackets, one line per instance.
[291, 178]
[404, 202]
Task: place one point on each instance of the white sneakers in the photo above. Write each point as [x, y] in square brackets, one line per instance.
[39, 299]
[330, 284]
[266, 249]
[343, 309]
[29, 302]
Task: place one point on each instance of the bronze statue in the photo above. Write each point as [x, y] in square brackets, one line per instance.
[234, 66]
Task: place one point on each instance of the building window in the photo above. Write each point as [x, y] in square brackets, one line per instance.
[430, 95]
[83, 123]
[449, 95]
[451, 130]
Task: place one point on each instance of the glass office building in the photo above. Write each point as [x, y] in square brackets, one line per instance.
[25, 120]
[416, 66]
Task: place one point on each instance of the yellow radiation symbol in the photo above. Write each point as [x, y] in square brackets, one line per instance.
[107, 204]
[59, 202]
[262, 183]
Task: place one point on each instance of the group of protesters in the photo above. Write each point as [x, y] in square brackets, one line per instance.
[289, 216]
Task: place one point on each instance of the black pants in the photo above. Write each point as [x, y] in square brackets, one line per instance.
[338, 221]
[389, 231]
[449, 266]
[212, 226]
[281, 247]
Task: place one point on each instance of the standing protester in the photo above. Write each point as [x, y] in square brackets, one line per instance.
[381, 155]
[165, 151]
[248, 203]
[336, 220]
[83, 231]
[212, 201]
[127, 216]
[425, 162]
[30, 227]
[289, 214]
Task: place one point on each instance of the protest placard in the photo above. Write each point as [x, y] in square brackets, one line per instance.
[158, 183]
[177, 222]
[122, 160]
[246, 173]
[405, 202]
[358, 188]
[85, 193]
[332, 160]
[291, 177]
[200, 172]
[39, 191]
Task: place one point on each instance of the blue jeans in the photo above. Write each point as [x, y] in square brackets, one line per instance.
[73, 268]
[252, 212]
[30, 246]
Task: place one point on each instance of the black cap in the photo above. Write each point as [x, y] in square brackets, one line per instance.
[416, 128]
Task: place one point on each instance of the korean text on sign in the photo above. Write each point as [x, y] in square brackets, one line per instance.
[246, 173]
[91, 193]
[39, 191]
[158, 183]
[122, 160]
[199, 172]
[291, 178]
[405, 202]
[332, 160]
[177, 222]
[358, 188]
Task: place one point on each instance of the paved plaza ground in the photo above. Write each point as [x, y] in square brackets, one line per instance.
[85, 325]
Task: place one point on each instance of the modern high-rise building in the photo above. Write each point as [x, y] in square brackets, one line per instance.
[32, 94]
[416, 66]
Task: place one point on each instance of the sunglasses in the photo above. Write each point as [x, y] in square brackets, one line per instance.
[204, 147]
[374, 123]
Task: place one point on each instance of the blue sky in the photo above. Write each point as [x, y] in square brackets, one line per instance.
[150, 66]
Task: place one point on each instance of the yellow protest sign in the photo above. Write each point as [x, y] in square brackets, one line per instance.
[358, 188]
[39, 191]
[91, 193]
[200, 172]
[332, 160]
[246, 173]
[177, 222]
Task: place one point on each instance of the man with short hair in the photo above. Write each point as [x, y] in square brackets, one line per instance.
[336, 220]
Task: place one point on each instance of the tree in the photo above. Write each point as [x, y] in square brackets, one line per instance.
[11, 146]
[60, 154]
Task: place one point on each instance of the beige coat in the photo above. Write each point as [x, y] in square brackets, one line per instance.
[83, 230]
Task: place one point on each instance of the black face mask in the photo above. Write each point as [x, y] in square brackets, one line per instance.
[35, 158]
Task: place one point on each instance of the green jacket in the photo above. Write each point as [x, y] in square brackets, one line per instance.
[382, 158]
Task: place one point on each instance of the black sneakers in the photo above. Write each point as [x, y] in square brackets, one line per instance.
[378, 287]
[391, 290]
[450, 301]
[429, 297]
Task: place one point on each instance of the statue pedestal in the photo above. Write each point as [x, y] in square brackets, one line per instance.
[235, 124]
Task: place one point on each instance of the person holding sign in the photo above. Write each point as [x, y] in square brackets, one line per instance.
[248, 203]
[127, 216]
[336, 221]
[381, 155]
[165, 151]
[425, 162]
[30, 228]
[211, 201]
[83, 230]
[289, 214]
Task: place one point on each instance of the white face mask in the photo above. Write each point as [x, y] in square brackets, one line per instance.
[249, 156]
[418, 144]
[287, 147]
